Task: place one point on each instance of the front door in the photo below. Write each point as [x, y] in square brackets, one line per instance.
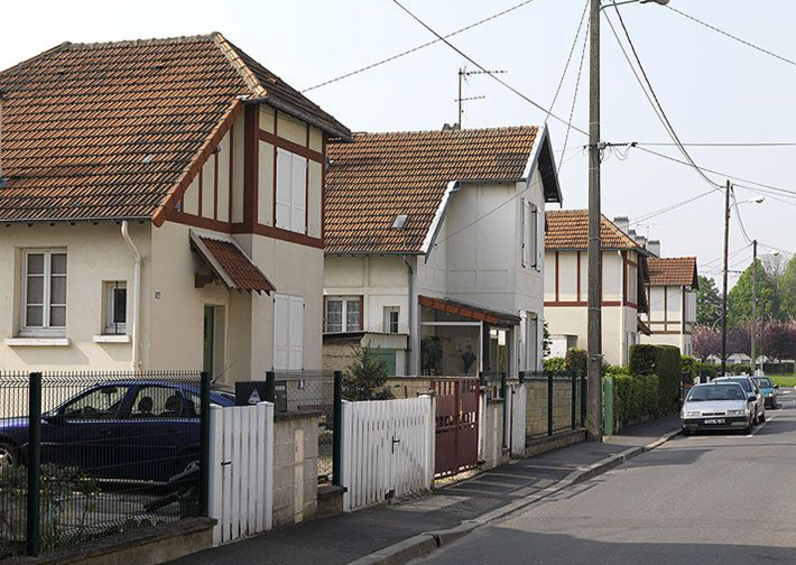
[209, 339]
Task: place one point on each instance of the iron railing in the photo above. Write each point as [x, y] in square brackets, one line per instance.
[556, 401]
[86, 455]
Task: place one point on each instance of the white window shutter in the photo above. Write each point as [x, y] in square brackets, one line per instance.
[281, 331]
[533, 236]
[523, 239]
[296, 346]
[299, 201]
[284, 188]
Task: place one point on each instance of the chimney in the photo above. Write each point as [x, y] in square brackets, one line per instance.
[623, 223]
[654, 247]
[642, 241]
[632, 234]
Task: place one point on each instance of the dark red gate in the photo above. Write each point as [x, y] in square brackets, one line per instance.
[457, 425]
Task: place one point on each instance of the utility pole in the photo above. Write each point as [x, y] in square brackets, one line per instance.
[754, 307]
[594, 420]
[725, 272]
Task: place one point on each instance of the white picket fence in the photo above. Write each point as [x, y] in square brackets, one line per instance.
[387, 448]
[241, 470]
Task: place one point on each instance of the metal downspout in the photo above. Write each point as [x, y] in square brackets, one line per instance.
[135, 362]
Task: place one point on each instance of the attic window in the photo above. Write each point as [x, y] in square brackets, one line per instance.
[147, 159]
[400, 222]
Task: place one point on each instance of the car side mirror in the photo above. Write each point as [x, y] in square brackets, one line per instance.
[776, 387]
[57, 419]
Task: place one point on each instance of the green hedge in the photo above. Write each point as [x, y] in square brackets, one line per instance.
[786, 368]
[577, 359]
[666, 362]
[635, 396]
[555, 364]
[706, 370]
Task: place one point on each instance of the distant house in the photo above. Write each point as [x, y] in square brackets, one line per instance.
[161, 209]
[673, 283]
[739, 359]
[434, 248]
[625, 277]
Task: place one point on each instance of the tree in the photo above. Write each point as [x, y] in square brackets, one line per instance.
[778, 340]
[708, 302]
[739, 308]
[547, 341]
[366, 376]
[787, 289]
[706, 341]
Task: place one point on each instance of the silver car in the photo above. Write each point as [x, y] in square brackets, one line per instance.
[720, 405]
[757, 403]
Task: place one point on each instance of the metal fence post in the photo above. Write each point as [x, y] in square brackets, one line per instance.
[337, 429]
[550, 403]
[583, 386]
[608, 389]
[34, 462]
[574, 398]
[270, 386]
[204, 424]
[504, 392]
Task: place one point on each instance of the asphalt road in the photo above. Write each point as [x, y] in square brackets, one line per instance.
[717, 499]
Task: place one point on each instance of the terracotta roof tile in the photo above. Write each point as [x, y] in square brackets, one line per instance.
[238, 267]
[673, 271]
[569, 229]
[382, 175]
[107, 130]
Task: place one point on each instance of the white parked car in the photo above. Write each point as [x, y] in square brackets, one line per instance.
[720, 405]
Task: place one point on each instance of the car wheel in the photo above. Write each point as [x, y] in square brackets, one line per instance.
[8, 457]
[686, 432]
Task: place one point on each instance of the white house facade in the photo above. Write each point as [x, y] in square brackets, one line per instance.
[438, 236]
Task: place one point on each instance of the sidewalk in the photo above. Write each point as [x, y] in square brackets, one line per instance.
[342, 539]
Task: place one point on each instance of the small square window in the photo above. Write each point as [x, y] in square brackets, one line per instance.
[391, 319]
[116, 308]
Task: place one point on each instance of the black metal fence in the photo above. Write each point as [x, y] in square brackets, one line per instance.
[556, 401]
[87, 455]
[312, 391]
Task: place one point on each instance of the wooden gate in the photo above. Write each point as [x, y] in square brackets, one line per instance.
[456, 425]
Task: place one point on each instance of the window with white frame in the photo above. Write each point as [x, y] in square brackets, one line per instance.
[43, 292]
[528, 233]
[391, 319]
[343, 314]
[291, 191]
[116, 308]
[288, 332]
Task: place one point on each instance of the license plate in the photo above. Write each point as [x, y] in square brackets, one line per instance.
[714, 421]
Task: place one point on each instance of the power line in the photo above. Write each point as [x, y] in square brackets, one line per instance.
[661, 114]
[569, 57]
[669, 208]
[743, 144]
[577, 89]
[494, 77]
[735, 38]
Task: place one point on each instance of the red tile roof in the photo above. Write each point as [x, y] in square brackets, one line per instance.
[382, 175]
[231, 265]
[569, 229]
[465, 310]
[107, 131]
[673, 271]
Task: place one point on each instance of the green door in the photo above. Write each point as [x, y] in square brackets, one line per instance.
[209, 334]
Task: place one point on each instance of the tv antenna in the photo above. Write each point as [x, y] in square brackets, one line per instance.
[463, 74]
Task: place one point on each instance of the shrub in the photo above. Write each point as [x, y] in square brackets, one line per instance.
[689, 366]
[366, 376]
[555, 364]
[635, 396]
[615, 370]
[665, 362]
[577, 359]
[706, 370]
[739, 368]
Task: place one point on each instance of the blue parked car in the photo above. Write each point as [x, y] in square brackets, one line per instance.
[769, 391]
[124, 430]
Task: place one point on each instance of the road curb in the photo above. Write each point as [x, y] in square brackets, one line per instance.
[427, 542]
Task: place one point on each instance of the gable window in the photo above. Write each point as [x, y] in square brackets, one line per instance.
[44, 292]
[116, 308]
[343, 314]
[291, 191]
[391, 319]
[288, 332]
[529, 234]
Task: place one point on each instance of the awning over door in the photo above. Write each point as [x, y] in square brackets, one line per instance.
[492, 317]
[644, 328]
[229, 264]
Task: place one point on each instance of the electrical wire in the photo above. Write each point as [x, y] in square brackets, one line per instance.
[661, 114]
[493, 76]
[670, 208]
[735, 38]
[418, 47]
[723, 144]
[569, 56]
[577, 89]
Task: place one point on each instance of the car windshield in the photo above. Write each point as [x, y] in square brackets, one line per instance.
[715, 392]
[764, 383]
[743, 382]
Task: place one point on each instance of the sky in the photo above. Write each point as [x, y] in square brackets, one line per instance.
[712, 89]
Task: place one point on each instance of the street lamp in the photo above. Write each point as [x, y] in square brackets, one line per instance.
[757, 199]
[594, 421]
